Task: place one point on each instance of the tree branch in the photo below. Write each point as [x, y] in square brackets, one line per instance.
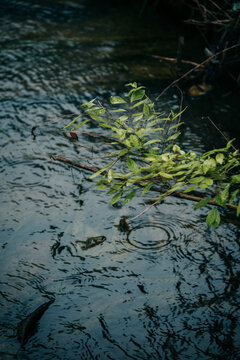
[175, 194]
[73, 163]
[174, 60]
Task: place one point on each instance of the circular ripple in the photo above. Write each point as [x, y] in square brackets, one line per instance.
[148, 236]
[156, 232]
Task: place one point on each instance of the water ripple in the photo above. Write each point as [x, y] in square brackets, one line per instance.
[157, 231]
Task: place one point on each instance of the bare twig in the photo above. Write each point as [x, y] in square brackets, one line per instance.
[221, 9]
[144, 211]
[73, 163]
[204, 23]
[174, 60]
[221, 132]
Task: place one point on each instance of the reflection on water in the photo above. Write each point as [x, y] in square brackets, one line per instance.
[164, 288]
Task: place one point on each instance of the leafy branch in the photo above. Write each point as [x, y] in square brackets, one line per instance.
[146, 156]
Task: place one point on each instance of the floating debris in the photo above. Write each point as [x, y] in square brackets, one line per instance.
[93, 241]
[28, 326]
[200, 89]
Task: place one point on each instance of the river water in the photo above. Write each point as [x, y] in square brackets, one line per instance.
[166, 289]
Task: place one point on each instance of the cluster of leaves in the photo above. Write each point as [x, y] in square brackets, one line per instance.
[146, 155]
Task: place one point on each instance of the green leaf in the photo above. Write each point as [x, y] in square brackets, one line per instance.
[95, 117]
[151, 142]
[134, 140]
[79, 125]
[117, 100]
[236, 179]
[178, 150]
[100, 171]
[137, 117]
[115, 198]
[238, 209]
[137, 95]
[114, 188]
[112, 154]
[202, 203]
[101, 186]
[146, 110]
[174, 116]
[134, 84]
[147, 188]
[89, 104]
[225, 193]
[110, 175]
[190, 188]
[121, 133]
[213, 218]
[233, 196]
[219, 200]
[132, 165]
[205, 183]
[220, 158]
[175, 126]
[165, 175]
[139, 103]
[154, 130]
[229, 144]
[151, 158]
[130, 196]
[207, 165]
[174, 136]
[123, 152]
[72, 122]
[118, 110]
[196, 180]
[123, 118]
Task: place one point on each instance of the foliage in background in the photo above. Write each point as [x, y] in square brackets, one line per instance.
[146, 155]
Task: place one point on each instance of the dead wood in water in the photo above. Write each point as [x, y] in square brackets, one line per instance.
[73, 163]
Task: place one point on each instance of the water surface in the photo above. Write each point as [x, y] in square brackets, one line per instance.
[166, 289]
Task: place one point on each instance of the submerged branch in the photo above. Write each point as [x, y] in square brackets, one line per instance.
[175, 194]
[198, 198]
[73, 163]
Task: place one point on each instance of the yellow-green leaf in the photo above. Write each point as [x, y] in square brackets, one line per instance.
[117, 100]
[132, 165]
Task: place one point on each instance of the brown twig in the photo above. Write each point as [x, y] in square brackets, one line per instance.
[174, 60]
[204, 23]
[196, 67]
[198, 198]
[221, 9]
[144, 211]
[73, 163]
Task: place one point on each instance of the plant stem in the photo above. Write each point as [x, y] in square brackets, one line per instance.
[175, 194]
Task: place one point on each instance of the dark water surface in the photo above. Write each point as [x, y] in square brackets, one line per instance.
[168, 288]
